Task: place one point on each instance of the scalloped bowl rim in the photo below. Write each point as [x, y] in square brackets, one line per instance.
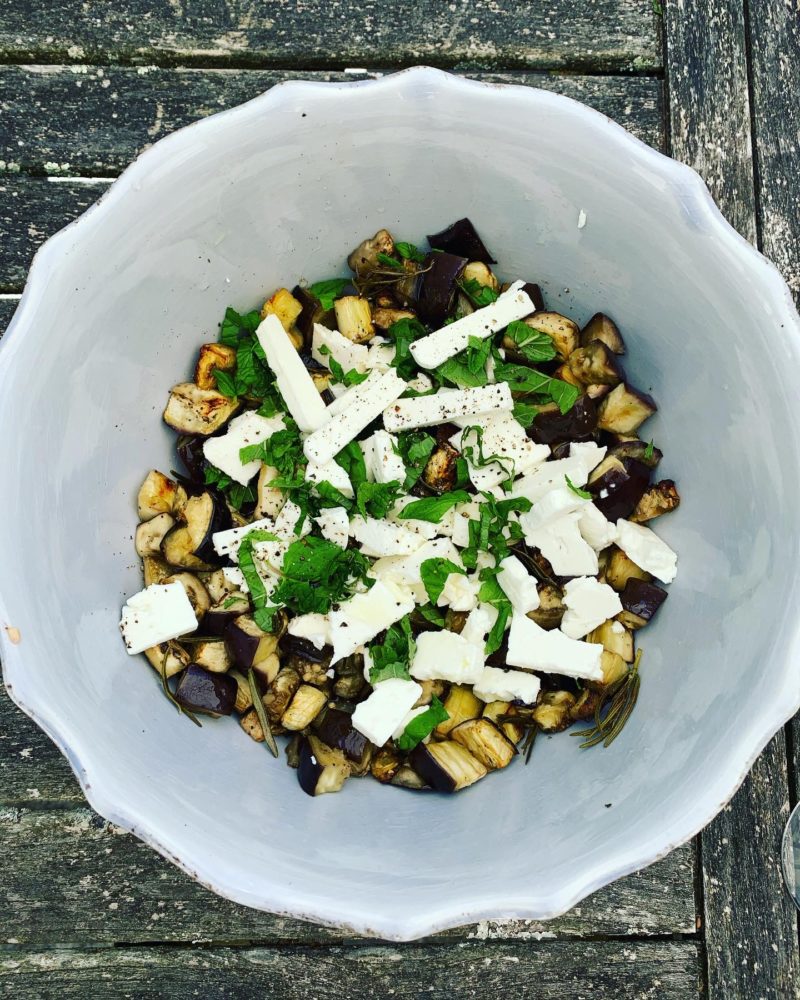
[708, 803]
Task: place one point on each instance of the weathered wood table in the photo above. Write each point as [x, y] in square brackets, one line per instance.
[87, 911]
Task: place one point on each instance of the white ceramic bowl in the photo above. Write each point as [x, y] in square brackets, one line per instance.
[230, 208]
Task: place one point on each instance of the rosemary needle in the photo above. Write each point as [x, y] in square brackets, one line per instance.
[258, 705]
[622, 701]
[171, 697]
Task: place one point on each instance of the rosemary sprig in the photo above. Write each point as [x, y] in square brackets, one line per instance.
[258, 705]
[170, 696]
[530, 739]
[623, 697]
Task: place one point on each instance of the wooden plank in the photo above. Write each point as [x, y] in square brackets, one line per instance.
[750, 925]
[668, 970]
[606, 34]
[87, 119]
[775, 55]
[109, 887]
[7, 309]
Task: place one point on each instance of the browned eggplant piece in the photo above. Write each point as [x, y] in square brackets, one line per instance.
[437, 286]
[385, 764]
[614, 667]
[588, 701]
[603, 328]
[304, 707]
[565, 374]
[386, 316]
[620, 569]
[212, 356]
[315, 776]
[534, 293]
[578, 424]
[461, 238]
[560, 329]
[498, 712]
[552, 714]
[311, 313]
[244, 697]
[159, 494]
[640, 602]
[460, 705]
[211, 654]
[192, 410]
[190, 452]
[349, 681]
[336, 730]
[429, 689]
[217, 585]
[440, 469]
[280, 693]
[201, 691]
[286, 307]
[614, 638]
[220, 615]
[178, 549]
[365, 256]
[659, 499]
[204, 514]
[150, 534]
[625, 409]
[446, 766]
[195, 591]
[485, 742]
[354, 318]
[478, 271]
[636, 449]
[407, 777]
[551, 607]
[268, 668]
[598, 392]
[303, 656]
[155, 569]
[177, 659]
[595, 364]
[619, 488]
[247, 643]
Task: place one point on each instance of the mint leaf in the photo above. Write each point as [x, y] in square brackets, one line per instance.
[236, 494]
[329, 496]
[326, 291]
[433, 509]
[351, 377]
[415, 448]
[351, 459]
[523, 380]
[472, 450]
[225, 382]
[377, 499]
[404, 332]
[431, 614]
[532, 344]
[468, 368]
[648, 452]
[478, 294]
[434, 574]
[409, 252]
[422, 725]
[492, 593]
[524, 413]
[384, 258]
[317, 573]
[235, 326]
[577, 491]
[283, 450]
[393, 656]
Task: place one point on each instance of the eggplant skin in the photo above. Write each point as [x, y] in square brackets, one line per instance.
[315, 777]
[640, 601]
[659, 499]
[200, 690]
[446, 766]
[461, 238]
[205, 514]
[603, 328]
[534, 293]
[578, 424]
[618, 490]
[437, 286]
[336, 729]
[640, 450]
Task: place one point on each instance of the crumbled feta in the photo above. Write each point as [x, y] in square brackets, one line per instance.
[437, 347]
[296, 386]
[334, 525]
[386, 464]
[589, 603]
[406, 569]
[378, 537]
[331, 472]
[505, 437]
[235, 578]
[286, 529]
[156, 614]
[479, 623]
[554, 505]
[562, 544]
[327, 344]
[647, 550]
[460, 593]
[246, 429]
[441, 407]
[226, 543]
[518, 585]
[533, 648]
[360, 618]
[313, 627]
[382, 712]
[426, 529]
[447, 656]
[595, 528]
[617, 628]
[421, 383]
[380, 356]
[495, 684]
[463, 513]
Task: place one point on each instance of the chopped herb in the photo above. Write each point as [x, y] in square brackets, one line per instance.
[326, 291]
[583, 494]
[493, 530]
[283, 450]
[658, 10]
[258, 705]
[433, 508]
[527, 380]
[348, 378]
[409, 252]
[229, 602]
[317, 573]
[384, 258]
[393, 656]
[252, 376]
[422, 725]
[377, 499]
[236, 494]
[404, 332]
[434, 574]
[329, 496]
[351, 459]
[472, 450]
[431, 614]
[415, 448]
[226, 383]
[478, 294]
[648, 452]
[468, 368]
[235, 326]
[492, 593]
[247, 564]
[525, 413]
[532, 344]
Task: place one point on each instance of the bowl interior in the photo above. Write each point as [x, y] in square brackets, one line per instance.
[282, 190]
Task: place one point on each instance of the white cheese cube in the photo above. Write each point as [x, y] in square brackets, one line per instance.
[235, 578]
[410, 718]
[369, 400]
[387, 465]
[447, 656]
[589, 603]
[382, 712]
[462, 515]
[368, 451]
[226, 543]
[406, 569]
[562, 544]
[479, 623]
[647, 550]
[589, 454]
[426, 529]
[533, 648]
[296, 386]
[495, 684]
[287, 530]
[554, 505]
[156, 614]
[441, 407]
[380, 356]
[327, 344]
[379, 538]
[313, 627]
[460, 593]
[331, 472]
[548, 476]
[503, 436]
[334, 525]
[246, 429]
[431, 351]
[518, 585]
[595, 528]
[359, 619]
[421, 383]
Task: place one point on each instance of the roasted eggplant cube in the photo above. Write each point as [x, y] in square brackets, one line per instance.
[385, 764]
[268, 668]
[614, 638]
[407, 777]
[213, 356]
[620, 569]
[560, 329]
[440, 470]
[354, 318]
[315, 777]
[155, 569]
[603, 328]
[311, 313]
[247, 643]
[244, 697]
[595, 364]
[159, 494]
[485, 742]
[553, 427]
[460, 705]
[659, 499]
[625, 409]
[280, 693]
[614, 667]
[200, 690]
[478, 271]
[446, 766]
[190, 451]
[150, 534]
[552, 713]
[285, 306]
[212, 654]
[205, 514]
[364, 258]
[551, 607]
[640, 602]
[437, 287]
[619, 487]
[336, 729]
[643, 452]
[192, 410]
[220, 615]
[306, 705]
[461, 238]
[589, 701]
[168, 657]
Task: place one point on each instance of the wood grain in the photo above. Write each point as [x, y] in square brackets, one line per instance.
[94, 120]
[7, 309]
[603, 970]
[603, 34]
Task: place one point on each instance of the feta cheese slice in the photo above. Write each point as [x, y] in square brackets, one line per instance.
[314, 627]
[382, 712]
[378, 537]
[548, 476]
[331, 472]
[505, 437]
[442, 406]
[406, 569]
[246, 429]
[359, 619]
[368, 401]
[479, 623]
[235, 578]
[156, 614]
[286, 531]
[463, 513]
[554, 505]
[327, 344]
[460, 593]
[595, 528]
[562, 544]
[334, 525]
[647, 550]
[589, 603]
[387, 465]
[380, 356]
[226, 543]
[447, 656]
[533, 648]
[518, 585]
[421, 383]
[437, 347]
[296, 385]
[495, 684]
